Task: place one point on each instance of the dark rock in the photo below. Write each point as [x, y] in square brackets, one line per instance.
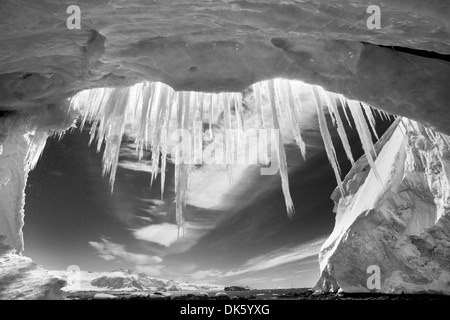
[237, 288]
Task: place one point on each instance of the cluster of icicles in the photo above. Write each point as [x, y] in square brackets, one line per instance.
[148, 110]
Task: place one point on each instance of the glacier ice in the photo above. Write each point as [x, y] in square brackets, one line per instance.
[23, 136]
[150, 112]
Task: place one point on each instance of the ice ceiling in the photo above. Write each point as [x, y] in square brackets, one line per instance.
[227, 46]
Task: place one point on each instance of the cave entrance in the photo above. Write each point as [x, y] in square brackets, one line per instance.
[69, 197]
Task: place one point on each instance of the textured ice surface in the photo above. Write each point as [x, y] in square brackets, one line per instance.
[23, 137]
[217, 46]
[397, 220]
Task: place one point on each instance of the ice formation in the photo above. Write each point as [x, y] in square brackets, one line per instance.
[281, 153]
[23, 137]
[401, 224]
[329, 148]
[151, 112]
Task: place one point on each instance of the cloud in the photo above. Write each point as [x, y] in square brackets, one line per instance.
[203, 274]
[136, 166]
[209, 186]
[107, 257]
[154, 211]
[109, 251]
[150, 270]
[263, 262]
[153, 202]
[279, 257]
[164, 234]
[147, 219]
[306, 270]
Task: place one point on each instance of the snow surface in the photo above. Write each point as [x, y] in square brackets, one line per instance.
[21, 278]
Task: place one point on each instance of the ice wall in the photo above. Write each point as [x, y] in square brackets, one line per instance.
[22, 139]
[398, 222]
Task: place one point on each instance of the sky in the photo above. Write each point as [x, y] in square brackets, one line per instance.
[236, 234]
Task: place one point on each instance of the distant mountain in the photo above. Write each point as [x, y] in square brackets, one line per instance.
[128, 280]
[237, 288]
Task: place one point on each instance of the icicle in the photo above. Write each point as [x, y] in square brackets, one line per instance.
[95, 103]
[334, 111]
[330, 111]
[146, 110]
[278, 101]
[93, 131]
[229, 153]
[165, 140]
[209, 106]
[257, 88]
[364, 134]
[386, 115]
[182, 169]
[161, 110]
[202, 99]
[144, 123]
[343, 102]
[297, 106]
[237, 100]
[135, 100]
[380, 114]
[197, 129]
[258, 103]
[214, 103]
[36, 144]
[281, 154]
[115, 126]
[296, 88]
[329, 148]
[295, 123]
[372, 122]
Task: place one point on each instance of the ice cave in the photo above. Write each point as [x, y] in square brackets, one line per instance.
[212, 88]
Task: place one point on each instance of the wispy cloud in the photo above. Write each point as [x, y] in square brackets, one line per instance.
[203, 274]
[264, 262]
[147, 219]
[154, 270]
[109, 251]
[136, 166]
[209, 186]
[279, 257]
[164, 234]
